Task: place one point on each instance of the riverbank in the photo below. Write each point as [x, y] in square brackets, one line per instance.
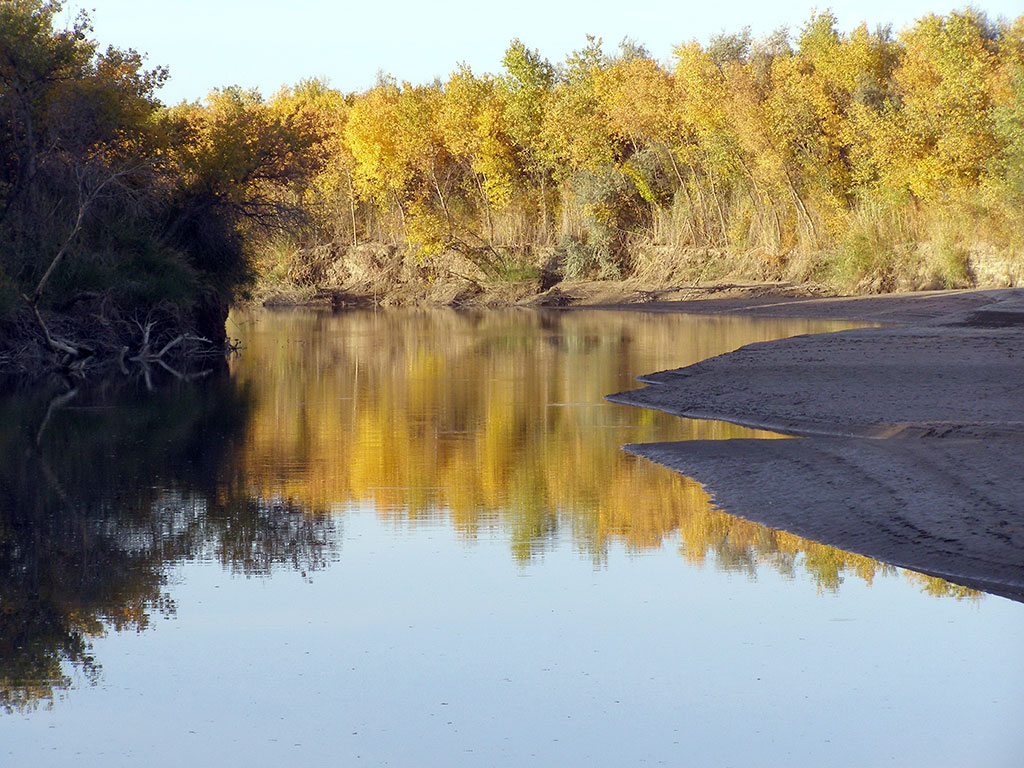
[913, 435]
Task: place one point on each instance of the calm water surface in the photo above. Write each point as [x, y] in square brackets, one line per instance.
[412, 539]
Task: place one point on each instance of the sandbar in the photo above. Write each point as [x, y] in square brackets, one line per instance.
[911, 434]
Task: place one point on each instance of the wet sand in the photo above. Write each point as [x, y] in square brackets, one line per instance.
[912, 448]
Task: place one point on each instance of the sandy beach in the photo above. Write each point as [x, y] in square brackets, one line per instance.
[911, 444]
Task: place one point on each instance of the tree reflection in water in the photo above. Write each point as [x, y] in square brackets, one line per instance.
[100, 492]
[490, 422]
[495, 421]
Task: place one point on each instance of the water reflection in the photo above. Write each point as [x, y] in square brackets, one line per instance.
[100, 492]
[494, 420]
[490, 422]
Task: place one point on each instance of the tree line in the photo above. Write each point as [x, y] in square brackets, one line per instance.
[822, 154]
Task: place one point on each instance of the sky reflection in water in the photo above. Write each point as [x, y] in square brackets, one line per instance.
[450, 561]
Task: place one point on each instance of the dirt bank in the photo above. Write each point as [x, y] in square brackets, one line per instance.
[913, 435]
[537, 292]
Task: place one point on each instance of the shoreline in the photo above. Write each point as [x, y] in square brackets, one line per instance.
[734, 297]
[912, 434]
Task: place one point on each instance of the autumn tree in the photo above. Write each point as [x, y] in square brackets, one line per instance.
[80, 139]
[942, 134]
[711, 152]
[525, 90]
[474, 126]
[637, 98]
[231, 159]
[36, 61]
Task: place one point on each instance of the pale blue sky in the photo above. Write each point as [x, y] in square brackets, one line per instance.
[266, 44]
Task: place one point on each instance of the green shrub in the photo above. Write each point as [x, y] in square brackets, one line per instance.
[953, 268]
[516, 272]
[589, 257]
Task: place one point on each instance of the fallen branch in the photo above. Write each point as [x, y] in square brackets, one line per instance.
[57, 345]
[145, 356]
[169, 345]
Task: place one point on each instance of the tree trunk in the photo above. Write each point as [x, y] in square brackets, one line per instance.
[352, 208]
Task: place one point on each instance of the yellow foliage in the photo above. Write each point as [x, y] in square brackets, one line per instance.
[943, 133]
[480, 421]
[472, 122]
[756, 146]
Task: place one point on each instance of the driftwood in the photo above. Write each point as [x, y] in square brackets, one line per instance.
[56, 344]
[147, 357]
[131, 347]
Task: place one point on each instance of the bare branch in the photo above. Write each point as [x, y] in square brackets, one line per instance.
[83, 207]
[170, 344]
[57, 345]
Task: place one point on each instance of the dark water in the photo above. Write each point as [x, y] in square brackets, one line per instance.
[411, 538]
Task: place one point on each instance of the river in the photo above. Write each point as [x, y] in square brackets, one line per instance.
[411, 538]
